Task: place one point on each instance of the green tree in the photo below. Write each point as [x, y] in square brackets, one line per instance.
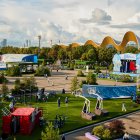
[50, 133]
[4, 89]
[14, 71]
[91, 78]
[41, 70]
[131, 49]
[92, 55]
[74, 84]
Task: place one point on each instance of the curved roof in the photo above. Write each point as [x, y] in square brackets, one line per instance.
[14, 57]
[129, 36]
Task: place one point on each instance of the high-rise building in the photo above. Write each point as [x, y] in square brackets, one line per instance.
[4, 43]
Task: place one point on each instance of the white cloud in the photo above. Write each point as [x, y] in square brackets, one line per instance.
[98, 16]
[59, 20]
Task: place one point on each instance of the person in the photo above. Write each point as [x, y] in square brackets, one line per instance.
[58, 102]
[63, 137]
[11, 107]
[123, 107]
[66, 100]
[126, 136]
[63, 91]
[66, 77]
[46, 75]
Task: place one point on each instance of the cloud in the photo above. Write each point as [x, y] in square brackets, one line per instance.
[132, 23]
[98, 16]
[134, 26]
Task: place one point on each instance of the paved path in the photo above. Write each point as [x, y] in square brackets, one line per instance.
[59, 82]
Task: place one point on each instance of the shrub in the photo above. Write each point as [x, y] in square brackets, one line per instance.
[98, 131]
[14, 71]
[3, 79]
[50, 133]
[102, 132]
[91, 78]
[126, 78]
[107, 134]
[80, 73]
[71, 66]
[110, 67]
[82, 82]
[97, 70]
[117, 128]
[41, 70]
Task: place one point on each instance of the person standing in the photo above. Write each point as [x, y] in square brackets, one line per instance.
[63, 137]
[66, 100]
[58, 102]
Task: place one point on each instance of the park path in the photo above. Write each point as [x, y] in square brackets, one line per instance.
[59, 82]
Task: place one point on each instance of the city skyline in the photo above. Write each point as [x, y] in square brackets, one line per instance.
[67, 21]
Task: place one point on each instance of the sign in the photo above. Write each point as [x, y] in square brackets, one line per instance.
[128, 56]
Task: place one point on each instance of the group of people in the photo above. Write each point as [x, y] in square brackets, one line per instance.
[59, 102]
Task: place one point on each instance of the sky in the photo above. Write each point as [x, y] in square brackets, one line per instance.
[67, 21]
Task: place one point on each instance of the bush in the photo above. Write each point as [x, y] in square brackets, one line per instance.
[107, 134]
[41, 70]
[102, 132]
[110, 67]
[91, 78]
[98, 131]
[82, 82]
[71, 66]
[50, 133]
[117, 128]
[14, 71]
[3, 79]
[80, 73]
[126, 78]
[97, 70]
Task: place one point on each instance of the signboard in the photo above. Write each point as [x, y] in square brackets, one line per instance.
[128, 56]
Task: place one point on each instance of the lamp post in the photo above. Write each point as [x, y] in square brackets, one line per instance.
[39, 39]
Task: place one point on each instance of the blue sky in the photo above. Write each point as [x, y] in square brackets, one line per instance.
[67, 20]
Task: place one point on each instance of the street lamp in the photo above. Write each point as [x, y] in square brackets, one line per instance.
[39, 39]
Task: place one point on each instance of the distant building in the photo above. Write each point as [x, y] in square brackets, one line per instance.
[4, 43]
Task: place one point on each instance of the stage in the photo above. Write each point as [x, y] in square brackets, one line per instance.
[131, 74]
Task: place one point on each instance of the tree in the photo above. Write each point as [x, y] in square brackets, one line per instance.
[41, 70]
[92, 55]
[14, 71]
[91, 78]
[4, 89]
[131, 49]
[50, 133]
[74, 84]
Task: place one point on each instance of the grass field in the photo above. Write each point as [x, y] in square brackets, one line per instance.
[73, 112]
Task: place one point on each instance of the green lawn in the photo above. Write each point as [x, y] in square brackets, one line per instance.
[73, 112]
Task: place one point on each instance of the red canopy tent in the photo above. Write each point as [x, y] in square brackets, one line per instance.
[22, 120]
